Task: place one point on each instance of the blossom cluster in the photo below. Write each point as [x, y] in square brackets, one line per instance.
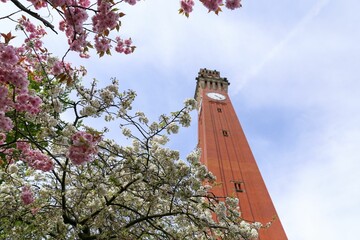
[102, 16]
[83, 147]
[233, 4]
[34, 35]
[2, 138]
[34, 158]
[27, 195]
[131, 2]
[13, 77]
[60, 67]
[186, 6]
[5, 122]
[105, 19]
[212, 5]
[28, 103]
[124, 46]
[72, 25]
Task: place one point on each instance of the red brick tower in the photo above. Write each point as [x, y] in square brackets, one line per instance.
[226, 153]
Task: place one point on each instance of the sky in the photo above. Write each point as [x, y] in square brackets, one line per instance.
[294, 70]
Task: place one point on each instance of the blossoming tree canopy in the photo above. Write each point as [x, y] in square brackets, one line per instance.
[97, 189]
[63, 179]
[85, 19]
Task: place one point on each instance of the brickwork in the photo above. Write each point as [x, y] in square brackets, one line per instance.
[227, 154]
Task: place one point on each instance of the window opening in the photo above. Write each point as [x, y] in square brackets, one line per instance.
[219, 110]
[225, 133]
[238, 185]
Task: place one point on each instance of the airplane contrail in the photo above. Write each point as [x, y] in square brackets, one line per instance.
[309, 16]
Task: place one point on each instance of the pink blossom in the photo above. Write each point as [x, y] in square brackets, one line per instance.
[23, 146]
[123, 46]
[187, 5]
[58, 3]
[9, 152]
[39, 161]
[73, 27]
[5, 101]
[27, 195]
[131, 2]
[34, 158]
[28, 103]
[8, 55]
[2, 138]
[61, 67]
[120, 45]
[34, 210]
[5, 122]
[212, 5]
[84, 55]
[84, 3]
[16, 76]
[57, 68]
[102, 44]
[29, 27]
[38, 3]
[127, 51]
[233, 4]
[79, 43]
[128, 42]
[105, 18]
[75, 17]
[83, 148]
[62, 25]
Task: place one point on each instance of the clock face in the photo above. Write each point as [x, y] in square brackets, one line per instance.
[216, 96]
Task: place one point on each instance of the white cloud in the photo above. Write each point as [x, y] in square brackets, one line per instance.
[255, 69]
[323, 200]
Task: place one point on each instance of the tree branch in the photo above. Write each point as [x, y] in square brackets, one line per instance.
[34, 14]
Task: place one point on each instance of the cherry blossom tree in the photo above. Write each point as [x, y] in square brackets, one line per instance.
[63, 179]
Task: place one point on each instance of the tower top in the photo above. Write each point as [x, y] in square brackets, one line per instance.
[210, 79]
[209, 73]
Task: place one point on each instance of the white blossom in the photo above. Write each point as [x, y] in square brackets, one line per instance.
[88, 111]
[57, 105]
[257, 225]
[185, 119]
[220, 210]
[107, 96]
[126, 132]
[95, 103]
[173, 128]
[190, 103]
[254, 234]
[12, 168]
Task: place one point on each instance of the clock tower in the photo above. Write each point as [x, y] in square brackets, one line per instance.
[226, 153]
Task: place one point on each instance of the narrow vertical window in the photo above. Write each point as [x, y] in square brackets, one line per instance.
[225, 133]
[238, 185]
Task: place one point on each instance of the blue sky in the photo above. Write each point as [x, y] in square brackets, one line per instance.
[294, 73]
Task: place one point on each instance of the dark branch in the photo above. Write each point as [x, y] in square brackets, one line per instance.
[33, 14]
